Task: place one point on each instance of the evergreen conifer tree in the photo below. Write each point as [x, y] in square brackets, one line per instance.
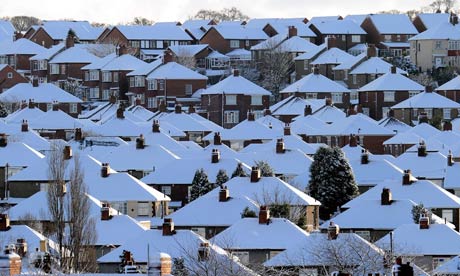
[221, 178]
[3, 111]
[200, 184]
[239, 171]
[265, 168]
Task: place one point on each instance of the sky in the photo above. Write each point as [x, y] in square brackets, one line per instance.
[116, 11]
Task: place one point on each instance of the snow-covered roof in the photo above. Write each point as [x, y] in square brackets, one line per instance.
[43, 93]
[375, 171]
[452, 176]
[427, 100]
[247, 130]
[188, 50]
[100, 63]
[269, 43]
[393, 24]
[338, 27]
[313, 53]
[31, 237]
[17, 154]
[239, 54]
[31, 138]
[74, 55]
[117, 230]
[239, 32]
[155, 32]
[55, 120]
[431, 166]
[185, 122]
[235, 85]
[114, 127]
[350, 63]
[305, 125]
[332, 56]
[329, 114]
[23, 114]
[431, 20]
[453, 84]
[357, 18]
[123, 63]
[6, 31]
[58, 29]
[374, 65]
[21, 46]
[394, 124]
[392, 82]
[355, 124]
[293, 105]
[176, 71]
[442, 31]
[49, 52]
[424, 130]
[315, 83]
[297, 44]
[403, 138]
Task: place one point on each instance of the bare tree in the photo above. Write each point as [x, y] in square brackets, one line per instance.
[141, 21]
[185, 58]
[23, 23]
[226, 14]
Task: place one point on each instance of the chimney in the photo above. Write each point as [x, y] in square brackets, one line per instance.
[105, 170]
[407, 177]
[113, 99]
[428, 88]
[35, 82]
[162, 106]
[70, 40]
[224, 194]
[11, 263]
[217, 139]
[140, 142]
[332, 231]
[453, 19]
[371, 51]
[161, 265]
[215, 156]
[251, 116]
[122, 50]
[167, 56]
[287, 129]
[267, 112]
[55, 106]
[316, 70]
[447, 126]
[264, 215]
[391, 112]
[328, 101]
[191, 109]
[424, 221]
[353, 141]
[307, 110]
[120, 113]
[105, 211]
[138, 101]
[280, 146]
[386, 197]
[168, 227]
[236, 72]
[351, 111]
[43, 246]
[423, 118]
[450, 159]
[393, 69]
[156, 126]
[292, 31]
[67, 152]
[4, 222]
[364, 157]
[21, 247]
[204, 251]
[3, 140]
[78, 134]
[331, 42]
[17, 35]
[24, 126]
[255, 174]
[421, 150]
[31, 103]
[178, 109]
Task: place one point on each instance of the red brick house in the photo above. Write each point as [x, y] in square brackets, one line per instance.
[450, 89]
[424, 21]
[346, 32]
[196, 28]
[18, 53]
[9, 77]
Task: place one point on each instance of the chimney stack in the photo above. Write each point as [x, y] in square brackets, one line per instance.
[4, 222]
[331, 42]
[421, 150]
[424, 221]
[328, 101]
[351, 111]
[264, 215]
[191, 109]
[204, 251]
[287, 129]
[217, 139]
[251, 116]
[55, 106]
[224, 194]
[167, 56]
[364, 157]
[122, 50]
[138, 101]
[353, 141]
[280, 146]
[255, 174]
[332, 231]
[386, 197]
[78, 134]
[453, 19]
[70, 40]
[105, 211]
[178, 109]
[3, 140]
[450, 159]
[120, 113]
[267, 112]
[140, 142]
[447, 126]
[162, 106]
[156, 126]
[236, 72]
[11, 263]
[215, 156]
[407, 177]
[316, 70]
[371, 51]
[307, 110]
[31, 103]
[428, 88]
[292, 31]
[24, 126]
[168, 227]
[391, 113]
[21, 247]
[67, 152]
[105, 170]
[35, 82]
[393, 69]
[161, 265]
[112, 99]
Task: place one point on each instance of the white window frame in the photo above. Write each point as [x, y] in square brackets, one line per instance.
[94, 93]
[230, 99]
[9, 75]
[354, 95]
[120, 206]
[243, 256]
[446, 113]
[231, 116]
[139, 81]
[429, 113]
[387, 37]
[54, 69]
[105, 94]
[388, 96]
[234, 43]
[93, 75]
[166, 190]
[385, 110]
[337, 97]
[73, 108]
[49, 106]
[188, 89]
[144, 208]
[355, 38]
[159, 44]
[256, 100]
[42, 65]
[152, 85]
[366, 111]
[151, 102]
[355, 78]
[106, 76]
[115, 77]
[448, 214]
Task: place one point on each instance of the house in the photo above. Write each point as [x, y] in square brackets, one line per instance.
[327, 60]
[193, 56]
[294, 106]
[17, 54]
[7, 31]
[436, 47]
[346, 32]
[228, 102]
[378, 96]
[450, 89]
[9, 77]
[196, 28]
[425, 21]
[432, 104]
[302, 62]
[393, 124]
[390, 32]
[19, 131]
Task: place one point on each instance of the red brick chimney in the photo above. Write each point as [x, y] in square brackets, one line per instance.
[316, 70]
[35, 82]
[3, 140]
[105, 170]
[178, 109]
[204, 251]
[331, 42]
[333, 231]
[280, 146]
[122, 50]
[351, 111]
[11, 262]
[307, 110]
[353, 141]
[393, 69]
[328, 101]
[17, 35]
[156, 126]
[292, 31]
[267, 112]
[105, 211]
[31, 103]
[364, 157]
[386, 197]
[138, 101]
[191, 109]
[450, 159]
[215, 156]
[447, 126]
[167, 56]
[407, 177]
[371, 51]
[168, 227]
[4, 222]
[224, 194]
[21, 247]
[264, 215]
[55, 106]
[140, 142]
[217, 139]
[162, 106]
[287, 129]
[120, 113]
[78, 134]
[421, 150]
[251, 116]
[67, 152]
[69, 41]
[113, 99]
[24, 126]
[428, 88]
[236, 72]
[424, 221]
[255, 174]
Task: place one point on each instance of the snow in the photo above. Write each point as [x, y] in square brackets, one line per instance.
[374, 172]
[392, 82]
[307, 124]
[239, 32]
[155, 32]
[21, 46]
[442, 31]
[174, 71]
[431, 166]
[393, 24]
[338, 27]
[146, 69]
[119, 127]
[23, 114]
[32, 238]
[451, 267]
[186, 123]
[246, 130]
[123, 63]
[453, 84]
[74, 55]
[358, 124]
[55, 120]
[394, 124]
[297, 44]
[235, 85]
[17, 154]
[117, 230]
[188, 50]
[431, 20]
[270, 43]
[97, 65]
[314, 83]
[332, 56]
[312, 54]
[43, 93]
[58, 29]
[374, 65]
[357, 18]
[352, 62]
[403, 138]
[49, 53]
[329, 114]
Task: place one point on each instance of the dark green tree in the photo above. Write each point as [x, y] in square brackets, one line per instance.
[248, 213]
[178, 267]
[239, 171]
[221, 178]
[200, 184]
[3, 110]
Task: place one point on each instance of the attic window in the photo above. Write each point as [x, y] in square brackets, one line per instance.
[234, 44]
[356, 38]
[9, 75]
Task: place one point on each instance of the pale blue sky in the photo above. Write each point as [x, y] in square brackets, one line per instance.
[114, 11]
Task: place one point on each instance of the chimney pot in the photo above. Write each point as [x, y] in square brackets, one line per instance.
[69, 41]
[105, 170]
[156, 126]
[4, 222]
[24, 126]
[424, 221]
[168, 227]
[178, 109]
[105, 211]
[21, 247]
[307, 110]
[429, 88]
[407, 177]
[255, 174]
[167, 56]
[364, 157]
[204, 251]
[280, 146]
[78, 134]
[292, 31]
[138, 101]
[217, 139]
[328, 101]
[316, 70]
[67, 152]
[236, 72]
[55, 106]
[140, 142]
[450, 159]
[393, 69]
[386, 197]
[423, 117]
[120, 113]
[332, 231]
[191, 109]
[391, 113]
[162, 106]
[113, 99]
[35, 82]
[31, 103]
[224, 194]
[264, 215]
[251, 116]
[215, 156]
[287, 129]
[421, 150]
[267, 112]
[3, 140]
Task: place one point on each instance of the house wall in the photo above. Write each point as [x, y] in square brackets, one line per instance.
[454, 95]
[73, 70]
[407, 115]
[6, 82]
[179, 192]
[424, 53]
[375, 101]
[115, 37]
[42, 38]
[24, 189]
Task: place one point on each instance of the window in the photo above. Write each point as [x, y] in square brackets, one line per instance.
[305, 64]
[364, 234]
[344, 37]
[234, 43]
[355, 79]
[151, 102]
[144, 44]
[152, 84]
[256, 100]
[63, 68]
[9, 75]
[94, 92]
[49, 106]
[143, 208]
[448, 215]
[415, 113]
[385, 111]
[353, 95]
[107, 76]
[366, 111]
[438, 44]
[258, 114]
[115, 76]
[446, 113]
[356, 38]
[139, 81]
[93, 75]
[308, 272]
[34, 63]
[437, 261]
[200, 231]
[160, 44]
[120, 206]
[42, 65]
[166, 190]
[413, 93]
[247, 43]
[161, 84]
[42, 79]
[230, 99]
[388, 96]
[73, 108]
[337, 97]
[105, 94]
[243, 256]
[188, 89]
[86, 75]
[429, 112]
[387, 37]
[311, 95]
[135, 43]
[232, 117]
[54, 69]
